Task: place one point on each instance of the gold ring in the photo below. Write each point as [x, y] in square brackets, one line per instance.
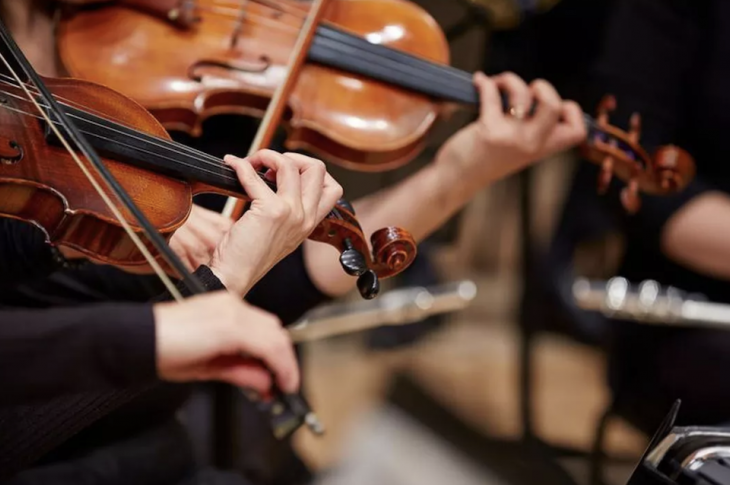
[517, 113]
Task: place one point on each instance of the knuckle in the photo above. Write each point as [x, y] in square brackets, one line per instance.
[319, 165]
[267, 152]
[553, 105]
[510, 76]
[297, 217]
[279, 210]
[572, 106]
[273, 321]
[540, 84]
[496, 136]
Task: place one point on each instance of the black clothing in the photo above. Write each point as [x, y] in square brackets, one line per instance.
[668, 60]
[68, 350]
[286, 291]
[158, 456]
[119, 413]
[31, 429]
[19, 238]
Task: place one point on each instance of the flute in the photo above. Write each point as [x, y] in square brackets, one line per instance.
[649, 302]
[397, 307]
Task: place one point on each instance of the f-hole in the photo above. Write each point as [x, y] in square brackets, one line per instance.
[253, 68]
[11, 152]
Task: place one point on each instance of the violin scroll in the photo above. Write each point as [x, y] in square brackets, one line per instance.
[393, 248]
[675, 167]
[619, 153]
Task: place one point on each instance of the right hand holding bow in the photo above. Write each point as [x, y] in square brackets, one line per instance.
[218, 337]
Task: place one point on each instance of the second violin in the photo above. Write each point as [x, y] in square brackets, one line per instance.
[375, 82]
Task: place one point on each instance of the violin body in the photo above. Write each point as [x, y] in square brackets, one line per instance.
[185, 75]
[41, 183]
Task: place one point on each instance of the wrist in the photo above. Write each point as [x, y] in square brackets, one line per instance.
[238, 282]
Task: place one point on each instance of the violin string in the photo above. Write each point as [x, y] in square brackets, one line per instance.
[104, 196]
[232, 177]
[335, 35]
[70, 103]
[139, 136]
[445, 69]
[262, 20]
[230, 174]
[334, 213]
[459, 85]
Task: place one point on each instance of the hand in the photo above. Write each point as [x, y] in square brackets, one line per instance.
[499, 143]
[196, 240]
[276, 223]
[218, 337]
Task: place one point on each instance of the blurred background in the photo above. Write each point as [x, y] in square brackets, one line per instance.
[519, 386]
[508, 367]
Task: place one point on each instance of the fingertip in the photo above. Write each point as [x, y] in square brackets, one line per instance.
[290, 384]
[231, 159]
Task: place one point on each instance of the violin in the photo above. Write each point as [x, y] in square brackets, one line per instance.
[40, 183]
[375, 80]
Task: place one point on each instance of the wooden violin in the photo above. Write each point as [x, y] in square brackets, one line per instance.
[40, 183]
[376, 79]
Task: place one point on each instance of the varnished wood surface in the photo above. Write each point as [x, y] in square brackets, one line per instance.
[343, 117]
[47, 187]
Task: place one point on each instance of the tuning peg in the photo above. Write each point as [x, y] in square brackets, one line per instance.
[353, 262]
[630, 197]
[607, 104]
[635, 127]
[346, 204]
[368, 284]
[606, 174]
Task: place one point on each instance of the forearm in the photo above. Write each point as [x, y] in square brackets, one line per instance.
[46, 353]
[698, 235]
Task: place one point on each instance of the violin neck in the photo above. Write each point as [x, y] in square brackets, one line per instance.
[338, 49]
[166, 157]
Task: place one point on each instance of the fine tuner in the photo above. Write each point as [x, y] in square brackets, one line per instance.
[649, 302]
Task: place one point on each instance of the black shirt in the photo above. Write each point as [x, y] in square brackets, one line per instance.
[97, 361]
[669, 60]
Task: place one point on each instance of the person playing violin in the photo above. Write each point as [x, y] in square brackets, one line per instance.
[491, 148]
[668, 60]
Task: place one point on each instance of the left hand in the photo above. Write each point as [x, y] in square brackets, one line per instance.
[499, 143]
[196, 240]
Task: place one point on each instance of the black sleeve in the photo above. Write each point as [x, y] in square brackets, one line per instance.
[286, 290]
[647, 63]
[24, 253]
[45, 353]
